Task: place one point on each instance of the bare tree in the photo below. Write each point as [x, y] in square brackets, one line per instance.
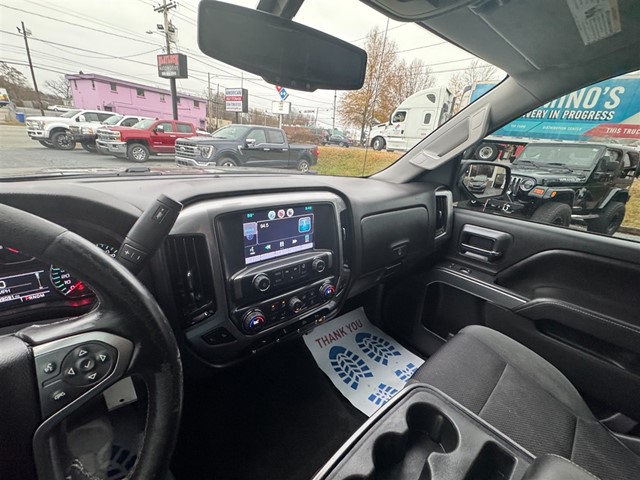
[409, 79]
[477, 71]
[59, 88]
[374, 99]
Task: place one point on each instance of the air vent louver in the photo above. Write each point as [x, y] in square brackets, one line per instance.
[443, 213]
[191, 277]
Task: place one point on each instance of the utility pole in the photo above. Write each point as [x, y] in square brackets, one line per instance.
[25, 33]
[217, 106]
[333, 122]
[209, 100]
[164, 8]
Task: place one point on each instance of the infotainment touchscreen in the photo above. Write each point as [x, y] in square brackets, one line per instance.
[277, 231]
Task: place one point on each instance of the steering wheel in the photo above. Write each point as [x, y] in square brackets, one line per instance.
[126, 334]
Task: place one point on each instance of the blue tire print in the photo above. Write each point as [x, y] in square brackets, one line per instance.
[376, 348]
[349, 366]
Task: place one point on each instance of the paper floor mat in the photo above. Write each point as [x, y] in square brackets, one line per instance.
[366, 365]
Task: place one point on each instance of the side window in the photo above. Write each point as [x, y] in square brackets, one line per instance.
[91, 117]
[399, 117]
[184, 128]
[168, 127]
[572, 165]
[257, 134]
[275, 136]
[129, 122]
[427, 119]
[103, 116]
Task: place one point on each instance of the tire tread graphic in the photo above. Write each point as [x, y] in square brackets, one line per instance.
[383, 394]
[376, 348]
[349, 366]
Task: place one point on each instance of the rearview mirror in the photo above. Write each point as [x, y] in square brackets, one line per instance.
[281, 51]
[81, 118]
[484, 180]
[159, 129]
[250, 142]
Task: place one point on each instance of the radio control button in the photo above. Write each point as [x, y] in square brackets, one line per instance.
[261, 282]
[319, 265]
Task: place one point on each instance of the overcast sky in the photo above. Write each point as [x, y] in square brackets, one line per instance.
[90, 33]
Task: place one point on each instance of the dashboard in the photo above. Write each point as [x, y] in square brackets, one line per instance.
[31, 289]
[244, 267]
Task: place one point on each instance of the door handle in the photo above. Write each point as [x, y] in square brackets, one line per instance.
[483, 243]
[480, 251]
[266, 149]
[172, 136]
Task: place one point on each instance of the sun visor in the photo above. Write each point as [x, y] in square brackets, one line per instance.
[560, 33]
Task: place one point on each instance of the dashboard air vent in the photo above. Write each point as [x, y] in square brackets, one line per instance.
[347, 242]
[191, 276]
[444, 213]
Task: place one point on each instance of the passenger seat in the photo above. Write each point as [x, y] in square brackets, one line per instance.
[528, 399]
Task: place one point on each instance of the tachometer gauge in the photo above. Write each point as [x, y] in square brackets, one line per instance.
[108, 249]
[68, 285]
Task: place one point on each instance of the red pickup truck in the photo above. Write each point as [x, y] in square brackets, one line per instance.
[145, 138]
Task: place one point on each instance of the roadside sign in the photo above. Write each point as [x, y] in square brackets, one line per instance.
[282, 92]
[281, 108]
[173, 65]
[236, 100]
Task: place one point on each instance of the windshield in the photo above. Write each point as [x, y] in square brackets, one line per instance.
[144, 124]
[584, 156]
[112, 120]
[69, 114]
[103, 56]
[231, 133]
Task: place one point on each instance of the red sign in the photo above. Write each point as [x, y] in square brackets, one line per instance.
[173, 65]
[615, 130]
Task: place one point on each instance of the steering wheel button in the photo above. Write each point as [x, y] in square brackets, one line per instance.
[70, 372]
[82, 352]
[91, 377]
[102, 357]
[59, 396]
[50, 367]
[86, 365]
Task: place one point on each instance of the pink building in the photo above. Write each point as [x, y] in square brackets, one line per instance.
[105, 93]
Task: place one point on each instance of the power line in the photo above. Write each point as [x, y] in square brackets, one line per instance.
[93, 29]
[424, 46]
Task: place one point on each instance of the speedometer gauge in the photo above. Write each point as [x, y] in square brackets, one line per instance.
[68, 285]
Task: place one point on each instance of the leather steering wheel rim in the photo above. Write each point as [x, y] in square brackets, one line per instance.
[125, 308]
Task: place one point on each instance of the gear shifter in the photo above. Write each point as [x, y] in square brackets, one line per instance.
[148, 233]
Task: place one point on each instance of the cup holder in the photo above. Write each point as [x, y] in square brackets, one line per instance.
[404, 455]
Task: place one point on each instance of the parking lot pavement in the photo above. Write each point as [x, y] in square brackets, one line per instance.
[20, 155]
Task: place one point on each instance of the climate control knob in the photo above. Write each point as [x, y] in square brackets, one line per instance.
[327, 291]
[319, 265]
[295, 305]
[261, 282]
[253, 321]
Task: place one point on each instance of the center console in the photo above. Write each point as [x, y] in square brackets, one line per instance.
[249, 271]
[423, 434]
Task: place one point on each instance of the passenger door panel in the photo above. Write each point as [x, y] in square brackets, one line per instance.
[568, 295]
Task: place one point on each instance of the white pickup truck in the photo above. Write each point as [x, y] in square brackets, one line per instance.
[54, 132]
[86, 133]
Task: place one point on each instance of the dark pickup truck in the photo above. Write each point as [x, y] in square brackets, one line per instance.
[245, 146]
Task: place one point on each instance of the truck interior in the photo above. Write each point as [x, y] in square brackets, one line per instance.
[181, 364]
